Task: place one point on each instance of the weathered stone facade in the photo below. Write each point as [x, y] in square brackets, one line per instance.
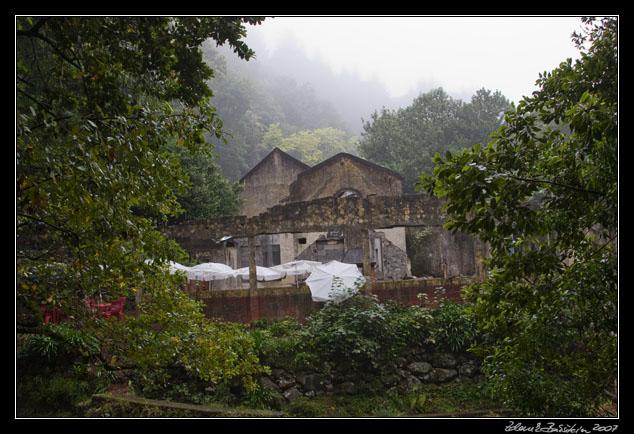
[342, 175]
[280, 180]
[267, 184]
[346, 176]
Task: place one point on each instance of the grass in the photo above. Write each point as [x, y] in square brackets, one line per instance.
[467, 395]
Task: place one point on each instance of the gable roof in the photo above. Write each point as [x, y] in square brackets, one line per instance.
[270, 156]
[354, 158]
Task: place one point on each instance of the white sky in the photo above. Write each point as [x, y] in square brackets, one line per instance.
[461, 54]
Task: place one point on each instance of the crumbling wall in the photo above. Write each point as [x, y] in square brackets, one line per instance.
[395, 263]
[437, 252]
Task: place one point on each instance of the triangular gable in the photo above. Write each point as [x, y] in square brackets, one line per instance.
[284, 155]
[354, 158]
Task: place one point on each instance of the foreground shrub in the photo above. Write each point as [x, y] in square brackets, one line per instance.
[171, 336]
[360, 332]
[451, 327]
[54, 373]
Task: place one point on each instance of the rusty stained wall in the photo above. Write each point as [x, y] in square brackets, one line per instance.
[436, 252]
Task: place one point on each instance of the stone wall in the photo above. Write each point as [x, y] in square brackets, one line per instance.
[424, 365]
[268, 182]
[451, 256]
[345, 172]
[321, 215]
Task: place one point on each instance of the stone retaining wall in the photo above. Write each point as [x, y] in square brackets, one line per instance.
[424, 366]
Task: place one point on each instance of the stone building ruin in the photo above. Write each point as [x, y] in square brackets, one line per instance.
[346, 209]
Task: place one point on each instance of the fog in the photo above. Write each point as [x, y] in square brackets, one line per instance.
[352, 97]
[315, 73]
[361, 64]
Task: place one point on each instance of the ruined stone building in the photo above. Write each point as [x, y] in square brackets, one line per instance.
[280, 180]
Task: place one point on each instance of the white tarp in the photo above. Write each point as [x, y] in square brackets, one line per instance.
[262, 273]
[209, 271]
[297, 268]
[334, 281]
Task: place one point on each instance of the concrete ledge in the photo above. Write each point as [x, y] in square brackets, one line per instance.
[176, 409]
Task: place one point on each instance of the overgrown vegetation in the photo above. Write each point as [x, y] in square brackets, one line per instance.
[543, 193]
[55, 372]
[406, 139]
[358, 334]
[100, 104]
[452, 398]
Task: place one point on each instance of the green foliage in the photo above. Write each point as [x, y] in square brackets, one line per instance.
[543, 193]
[350, 332]
[209, 193]
[251, 101]
[262, 398]
[361, 333]
[40, 396]
[309, 146]
[171, 336]
[406, 140]
[452, 328]
[60, 342]
[100, 101]
[55, 371]
[283, 343]
[454, 397]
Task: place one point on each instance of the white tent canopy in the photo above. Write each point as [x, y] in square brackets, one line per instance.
[262, 273]
[333, 281]
[209, 271]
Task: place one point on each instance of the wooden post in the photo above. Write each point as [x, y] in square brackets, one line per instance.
[254, 302]
[253, 280]
[365, 244]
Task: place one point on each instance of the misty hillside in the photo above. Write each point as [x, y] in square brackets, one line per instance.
[285, 99]
[288, 89]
